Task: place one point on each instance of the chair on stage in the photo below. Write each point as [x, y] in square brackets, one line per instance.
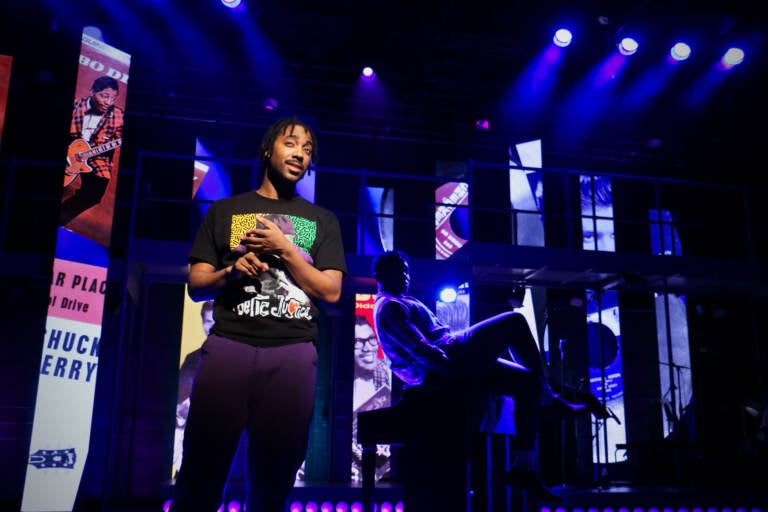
[454, 447]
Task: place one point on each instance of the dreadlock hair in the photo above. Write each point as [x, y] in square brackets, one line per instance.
[281, 126]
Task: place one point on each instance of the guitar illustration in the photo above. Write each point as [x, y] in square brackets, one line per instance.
[44, 459]
[79, 152]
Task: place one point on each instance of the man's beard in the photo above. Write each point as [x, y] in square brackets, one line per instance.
[279, 180]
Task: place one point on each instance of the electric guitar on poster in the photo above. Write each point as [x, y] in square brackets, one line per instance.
[79, 152]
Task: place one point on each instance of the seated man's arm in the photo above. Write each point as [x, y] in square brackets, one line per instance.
[401, 336]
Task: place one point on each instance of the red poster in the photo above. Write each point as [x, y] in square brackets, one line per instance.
[5, 79]
[96, 132]
[372, 383]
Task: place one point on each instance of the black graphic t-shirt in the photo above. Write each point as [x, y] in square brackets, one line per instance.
[270, 309]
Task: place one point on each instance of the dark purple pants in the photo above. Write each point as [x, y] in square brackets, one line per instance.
[506, 334]
[269, 393]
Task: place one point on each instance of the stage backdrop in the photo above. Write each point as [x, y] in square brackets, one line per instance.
[70, 353]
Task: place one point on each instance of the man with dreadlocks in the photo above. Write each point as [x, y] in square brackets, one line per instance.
[257, 372]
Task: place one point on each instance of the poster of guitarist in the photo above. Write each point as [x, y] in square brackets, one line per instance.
[96, 133]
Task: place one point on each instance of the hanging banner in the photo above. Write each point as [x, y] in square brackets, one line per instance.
[70, 354]
[5, 79]
[451, 218]
[371, 386]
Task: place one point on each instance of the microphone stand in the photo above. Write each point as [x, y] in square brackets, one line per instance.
[561, 351]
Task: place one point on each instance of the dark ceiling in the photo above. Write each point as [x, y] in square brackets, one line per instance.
[441, 64]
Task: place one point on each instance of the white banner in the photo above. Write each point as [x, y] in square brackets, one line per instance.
[61, 432]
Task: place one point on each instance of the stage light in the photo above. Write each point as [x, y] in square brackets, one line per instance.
[311, 506]
[448, 294]
[482, 125]
[230, 3]
[271, 103]
[386, 507]
[399, 507]
[680, 51]
[627, 46]
[357, 506]
[233, 506]
[295, 506]
[733, 57]
[342, 506]
[562, 37]
[326, 506]
[167, 505]
[368, 73]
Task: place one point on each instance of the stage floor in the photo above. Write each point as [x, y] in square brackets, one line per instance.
[615, 497]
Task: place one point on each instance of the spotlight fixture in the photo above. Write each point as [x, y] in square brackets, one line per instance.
[271, 103]
[368, 73]
[230, 3]
[562, 37]
[680, 51]
[627, 46]
[733, 57]
[448, 294]
[482, 125]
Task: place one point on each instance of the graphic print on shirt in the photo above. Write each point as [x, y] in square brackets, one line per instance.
[273, 293]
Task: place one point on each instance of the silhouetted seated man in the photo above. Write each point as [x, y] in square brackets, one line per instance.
[424, 352]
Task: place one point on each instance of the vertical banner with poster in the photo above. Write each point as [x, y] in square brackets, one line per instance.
[451, 218]
[5, 79]
[674, 349]
[376, 227]
[606, 373]
[526, 193]
[70, 354]
[211, 181]
[372, 383]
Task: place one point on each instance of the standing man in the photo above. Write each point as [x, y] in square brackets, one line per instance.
[96, 131]
[259, 363]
